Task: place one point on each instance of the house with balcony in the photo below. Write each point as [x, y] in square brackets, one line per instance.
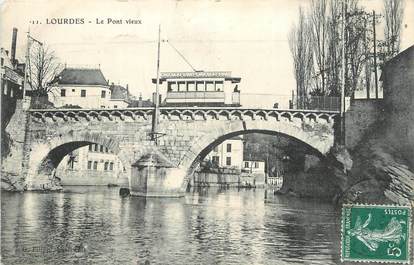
[199, 88]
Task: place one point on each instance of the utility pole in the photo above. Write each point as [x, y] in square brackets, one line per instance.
[154, 132]
[27, 60]
[344, 10]
[26, 64]
[367, 64]
[375, 55]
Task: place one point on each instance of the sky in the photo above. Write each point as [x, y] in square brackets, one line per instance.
[248, 38]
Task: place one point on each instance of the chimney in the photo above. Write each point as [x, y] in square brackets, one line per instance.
[13, 46]
[140, 101]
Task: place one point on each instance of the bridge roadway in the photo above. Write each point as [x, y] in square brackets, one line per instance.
[189, 133]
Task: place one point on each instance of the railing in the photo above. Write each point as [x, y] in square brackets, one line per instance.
[316, 103]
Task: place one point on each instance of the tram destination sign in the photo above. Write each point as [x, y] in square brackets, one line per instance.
[200, 74]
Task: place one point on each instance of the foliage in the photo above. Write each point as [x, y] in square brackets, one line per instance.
[43, 67]
[324, 25]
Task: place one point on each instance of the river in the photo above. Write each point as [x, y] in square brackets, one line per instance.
[94, 225]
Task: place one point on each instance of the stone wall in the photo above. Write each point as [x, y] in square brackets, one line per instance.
[14, 160]
[398, 82]
[90, 177]
[359, 118]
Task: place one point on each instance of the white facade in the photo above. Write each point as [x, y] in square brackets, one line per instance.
[228, 154]
[91, 165]
[118, 104]
[254, 166]
[85, 96]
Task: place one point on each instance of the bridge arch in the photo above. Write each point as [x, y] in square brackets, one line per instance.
[45, 156]
[203, 145]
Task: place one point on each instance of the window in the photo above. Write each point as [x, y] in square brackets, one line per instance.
[89, 164]
[11, 92]
[83, 93]
[111, 166]
[115, 106]
[215, 160]
[103, 94]
[96, 148]
[246, 164]
[191, 86]
[200, 86]
[219, 85]
[2, 61]
[172, 87]
[73, 90]
[95, 165]
[101, 148]
[106, 150]
[106, 165]
[90, 147]
[215, 149]
[209, 86]
[256, 165]
[182, 86]
[228, 161]
[63, 92]
[228, 148]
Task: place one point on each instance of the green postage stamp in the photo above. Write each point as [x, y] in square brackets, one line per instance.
[377, 233]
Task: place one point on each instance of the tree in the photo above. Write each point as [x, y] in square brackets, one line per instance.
[324, 21]
[320, 43]
[334, 56]
[301, 49]
[43, 67]
[393, 15]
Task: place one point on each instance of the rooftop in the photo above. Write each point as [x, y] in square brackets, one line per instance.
[80, 76]
[119, 92]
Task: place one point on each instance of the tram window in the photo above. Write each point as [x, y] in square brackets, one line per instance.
[200, 86]
[191, 86]
[95, 165]
[106, 165]
[209, 86]
[89, 164]
[172, 87]
[219, 85]
[182, 87]
[111, 166]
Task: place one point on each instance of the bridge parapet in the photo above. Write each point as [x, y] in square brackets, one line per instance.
[181, 113]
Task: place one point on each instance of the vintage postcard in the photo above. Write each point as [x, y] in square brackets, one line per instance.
[207, 132]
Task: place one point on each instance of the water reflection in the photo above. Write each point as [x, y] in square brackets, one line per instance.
[93, 225]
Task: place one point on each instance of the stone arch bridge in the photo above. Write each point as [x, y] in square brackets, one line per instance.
[188, 135]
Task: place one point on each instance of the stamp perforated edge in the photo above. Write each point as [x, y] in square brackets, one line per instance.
[362, 205]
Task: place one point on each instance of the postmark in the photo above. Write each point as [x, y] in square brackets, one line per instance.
[375, 233]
